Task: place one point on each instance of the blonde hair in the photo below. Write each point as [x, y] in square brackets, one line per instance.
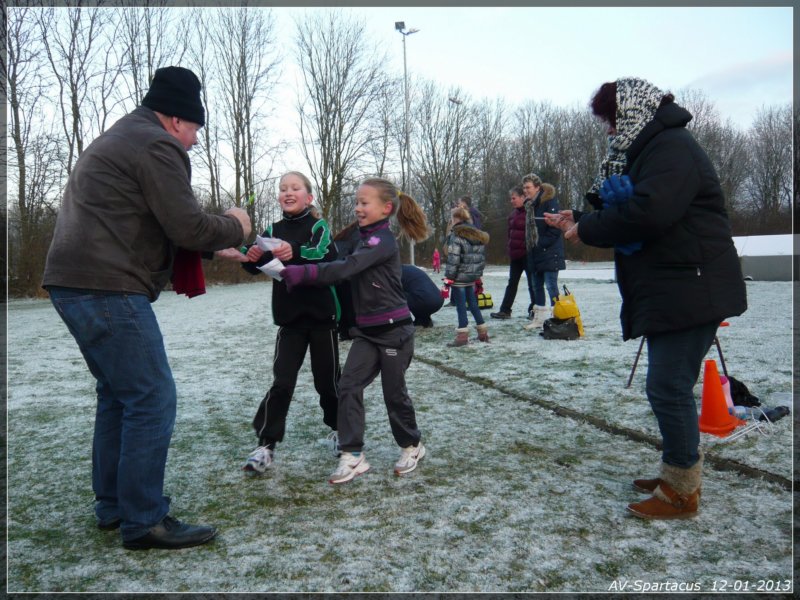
[410, 216]
[533, 178]
[462, 214]
[306, 181]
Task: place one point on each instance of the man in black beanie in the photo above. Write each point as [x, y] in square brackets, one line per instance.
[128, 205]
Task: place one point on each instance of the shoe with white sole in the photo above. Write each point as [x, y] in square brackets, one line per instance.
[259, 460]
[409, 457]
[349, 466]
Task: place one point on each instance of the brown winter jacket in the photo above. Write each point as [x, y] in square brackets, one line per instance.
[128, 204]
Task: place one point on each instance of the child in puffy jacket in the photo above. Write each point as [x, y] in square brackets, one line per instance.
[466, 259]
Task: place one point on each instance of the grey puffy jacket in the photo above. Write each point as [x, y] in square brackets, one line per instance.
[466, 254]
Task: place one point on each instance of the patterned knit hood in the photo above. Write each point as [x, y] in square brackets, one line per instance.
[637, 103]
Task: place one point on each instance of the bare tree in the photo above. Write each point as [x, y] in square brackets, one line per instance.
[726, 145]
[203, 65]
[523, 139]
[387, 122]
[342, 85]
[151, 37]
[71, 42]
[769, 184]
[590, 146]
[246, 63]
[35, 158]
[443, 152]
[491, 181]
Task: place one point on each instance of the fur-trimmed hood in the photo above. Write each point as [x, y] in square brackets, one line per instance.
[471, 233]
[548, 192]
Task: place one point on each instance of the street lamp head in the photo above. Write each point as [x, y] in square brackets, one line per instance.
[400, 25]
[410, 31]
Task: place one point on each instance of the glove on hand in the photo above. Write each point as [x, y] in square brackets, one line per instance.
[616, 189]
[446, 288]
[295, 275]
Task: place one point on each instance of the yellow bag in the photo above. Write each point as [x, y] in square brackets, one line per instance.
[566, 308]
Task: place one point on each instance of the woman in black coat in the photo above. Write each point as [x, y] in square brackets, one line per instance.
[677, 268]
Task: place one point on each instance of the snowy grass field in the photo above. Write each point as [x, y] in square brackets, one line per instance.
[513, 496]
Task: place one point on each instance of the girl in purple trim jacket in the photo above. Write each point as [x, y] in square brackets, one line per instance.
[383, 335]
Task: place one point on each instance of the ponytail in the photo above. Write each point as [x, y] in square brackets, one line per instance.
[346, 232]
[411, 218]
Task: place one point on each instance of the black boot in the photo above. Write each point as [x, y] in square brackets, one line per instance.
[171, 534]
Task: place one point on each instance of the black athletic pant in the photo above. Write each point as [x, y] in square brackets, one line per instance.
[290, 351]
[516, 268]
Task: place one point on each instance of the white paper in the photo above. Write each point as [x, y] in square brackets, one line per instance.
[267, 244]
[272, 268]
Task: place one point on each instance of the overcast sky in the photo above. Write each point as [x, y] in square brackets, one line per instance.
[740, 57]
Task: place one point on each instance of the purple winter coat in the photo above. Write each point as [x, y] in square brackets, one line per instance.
[516, 234]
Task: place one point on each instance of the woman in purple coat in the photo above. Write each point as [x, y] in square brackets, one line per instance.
[517, 254]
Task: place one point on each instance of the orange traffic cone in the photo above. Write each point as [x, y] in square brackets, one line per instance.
[714, 416]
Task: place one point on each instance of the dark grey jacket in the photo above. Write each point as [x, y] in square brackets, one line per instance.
[466, 254]
[687, 272]
[372, 265]
[128, 204]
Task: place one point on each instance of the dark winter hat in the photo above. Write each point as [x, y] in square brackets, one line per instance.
[175, 91]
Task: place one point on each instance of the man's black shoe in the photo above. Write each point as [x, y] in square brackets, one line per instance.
[109, 525]
[171, 534]
[500, 315]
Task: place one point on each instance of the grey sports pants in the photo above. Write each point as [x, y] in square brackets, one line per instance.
[389, 354]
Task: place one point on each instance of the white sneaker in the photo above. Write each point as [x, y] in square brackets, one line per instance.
[409, 458]
[259, 460]
[333, 440]
[349, 467]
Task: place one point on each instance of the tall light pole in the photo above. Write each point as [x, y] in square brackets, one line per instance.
[401, 27]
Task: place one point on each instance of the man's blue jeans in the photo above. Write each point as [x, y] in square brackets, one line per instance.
[464, 297]
[674, 361]
[121, 342]
[542, 280]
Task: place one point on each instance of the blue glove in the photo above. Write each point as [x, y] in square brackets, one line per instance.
[616, 189]
[295, 275]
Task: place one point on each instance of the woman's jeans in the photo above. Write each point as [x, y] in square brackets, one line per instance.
[121, 342]
[674, 361]
[464, 297]
[516, 268]
[542, 279]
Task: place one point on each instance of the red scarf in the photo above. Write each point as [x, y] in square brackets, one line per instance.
[187, 273]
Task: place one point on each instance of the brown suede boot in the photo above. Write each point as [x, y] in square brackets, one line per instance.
[648, 486]
[676, 496]
[462, 337]
[483, 332]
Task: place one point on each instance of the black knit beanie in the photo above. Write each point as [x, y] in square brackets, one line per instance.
[175, 92]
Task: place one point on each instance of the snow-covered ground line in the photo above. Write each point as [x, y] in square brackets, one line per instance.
[510, 498]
